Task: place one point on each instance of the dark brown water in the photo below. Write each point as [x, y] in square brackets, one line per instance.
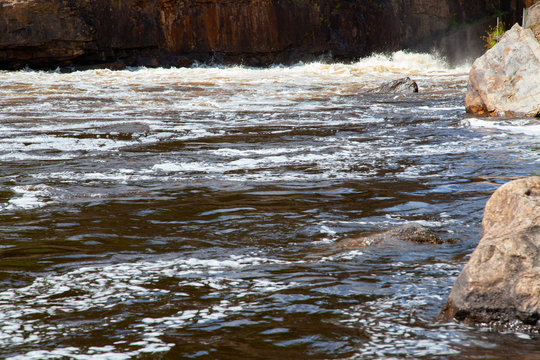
[191, 213]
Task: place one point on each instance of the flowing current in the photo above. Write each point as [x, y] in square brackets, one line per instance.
[195, 212]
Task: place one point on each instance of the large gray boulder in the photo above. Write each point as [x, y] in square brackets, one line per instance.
[500, 285]
[506, 79]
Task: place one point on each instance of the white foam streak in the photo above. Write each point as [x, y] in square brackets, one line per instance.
[529, 127]
[28, 197]
[111, 286]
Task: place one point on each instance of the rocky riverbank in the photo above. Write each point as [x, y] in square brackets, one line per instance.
[500, 283]
[115, 33]
[504, 81]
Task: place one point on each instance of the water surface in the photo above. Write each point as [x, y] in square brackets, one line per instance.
[193, 213]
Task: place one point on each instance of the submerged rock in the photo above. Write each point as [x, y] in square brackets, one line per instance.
[505, 80]
[408, 232]
[399, 86]
[500, 284]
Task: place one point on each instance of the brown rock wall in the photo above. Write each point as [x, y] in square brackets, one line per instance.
[46, 33]
[27, 32]
[235, 26]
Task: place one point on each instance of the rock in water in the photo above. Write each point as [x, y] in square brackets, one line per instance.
[399, 86]
[500, 285]
[506, 79]
[408, 232]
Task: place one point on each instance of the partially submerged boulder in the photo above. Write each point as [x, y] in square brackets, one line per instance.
[399, 86]
[506, 80]
[500, 285]
[408, 232]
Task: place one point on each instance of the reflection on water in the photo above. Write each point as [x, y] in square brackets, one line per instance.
[192, 213]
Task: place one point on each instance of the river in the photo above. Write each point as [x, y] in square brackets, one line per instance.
[194, 212]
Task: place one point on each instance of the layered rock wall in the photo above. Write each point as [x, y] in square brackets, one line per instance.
[46, 33]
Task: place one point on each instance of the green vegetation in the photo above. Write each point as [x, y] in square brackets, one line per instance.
[493, 35]
[453, 22]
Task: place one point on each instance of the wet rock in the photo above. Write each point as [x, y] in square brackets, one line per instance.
[399, 86]
[408, 232]
[500, 285]
[505, 81]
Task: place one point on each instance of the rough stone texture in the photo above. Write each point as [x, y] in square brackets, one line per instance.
[529, 3]
[48, 33]
[532, 19]
[399, 86]
[532, 16]
[536, 30]
[500, 285]
[408, 232]
[505, 80]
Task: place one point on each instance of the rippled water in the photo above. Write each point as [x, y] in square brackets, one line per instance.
[193, 213]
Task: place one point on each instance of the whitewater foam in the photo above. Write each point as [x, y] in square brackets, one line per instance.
[108, 287]
[529, 127]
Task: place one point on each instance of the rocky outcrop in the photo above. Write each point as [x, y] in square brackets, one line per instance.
[500, 285]
[505, 81]
[409, 233]
[399, 86]
[49, 33]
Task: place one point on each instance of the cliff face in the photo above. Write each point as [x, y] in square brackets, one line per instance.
[49, 33]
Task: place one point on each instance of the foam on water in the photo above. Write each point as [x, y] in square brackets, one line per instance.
[105, 288]
[96, 288]
[28, 197]
[253, 146]
[47, 111]
[530, 127]
[332, 159]
[164, 80]
[406, 336]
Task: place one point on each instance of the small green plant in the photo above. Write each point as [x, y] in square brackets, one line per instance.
[494, 35]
